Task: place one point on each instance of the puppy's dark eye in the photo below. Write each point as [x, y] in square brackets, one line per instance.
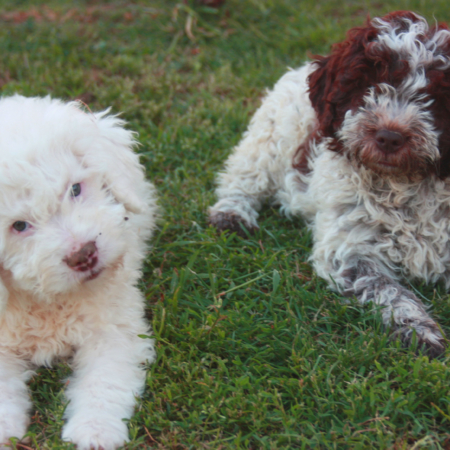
[21, 226]
[76, 190]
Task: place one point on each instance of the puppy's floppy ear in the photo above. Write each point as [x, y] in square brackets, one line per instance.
[114, 156]
[340, 80]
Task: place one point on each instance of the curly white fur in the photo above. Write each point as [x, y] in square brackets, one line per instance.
[370, 230]
[49, 309]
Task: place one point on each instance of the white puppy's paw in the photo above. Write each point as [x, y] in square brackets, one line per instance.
[11, 425]
[99, 433]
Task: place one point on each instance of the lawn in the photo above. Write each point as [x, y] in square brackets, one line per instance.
[254, 352]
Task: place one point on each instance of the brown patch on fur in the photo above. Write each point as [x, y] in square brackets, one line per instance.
[341, 79]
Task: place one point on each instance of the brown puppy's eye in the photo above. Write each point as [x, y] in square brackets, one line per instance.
[21, 226]
[75, 190]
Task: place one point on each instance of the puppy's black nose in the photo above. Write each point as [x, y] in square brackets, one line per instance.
[84, 259]
[389, 141]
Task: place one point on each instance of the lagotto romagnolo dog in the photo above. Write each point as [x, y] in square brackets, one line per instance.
[358, 143]
[75, 213]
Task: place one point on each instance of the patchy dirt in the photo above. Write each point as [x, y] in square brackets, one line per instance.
[45, 14]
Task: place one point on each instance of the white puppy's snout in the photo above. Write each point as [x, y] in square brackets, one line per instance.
[84, 259]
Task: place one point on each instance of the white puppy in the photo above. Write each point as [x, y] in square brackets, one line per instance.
[75, 212]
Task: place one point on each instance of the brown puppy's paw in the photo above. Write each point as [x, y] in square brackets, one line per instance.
[231, 222]
[428, 337]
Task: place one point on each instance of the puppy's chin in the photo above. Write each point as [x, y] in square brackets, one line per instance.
[82, 279]
[93, 275]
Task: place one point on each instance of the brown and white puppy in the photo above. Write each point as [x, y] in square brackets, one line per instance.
[358, 143]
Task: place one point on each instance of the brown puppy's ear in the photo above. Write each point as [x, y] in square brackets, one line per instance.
[321, 82]
[114, 157]
[341, 79]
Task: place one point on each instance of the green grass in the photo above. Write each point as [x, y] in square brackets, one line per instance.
[254, 352]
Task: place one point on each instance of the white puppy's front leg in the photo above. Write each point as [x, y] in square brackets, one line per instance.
[107, 376]
[14, 398]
